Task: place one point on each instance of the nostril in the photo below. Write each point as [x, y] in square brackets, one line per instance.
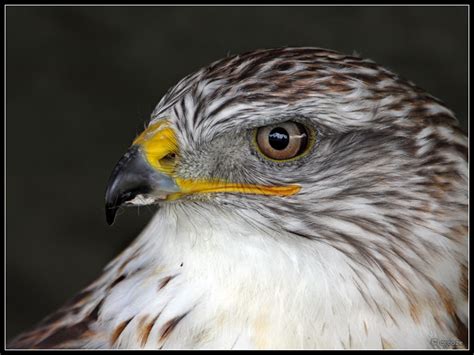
[168, 158]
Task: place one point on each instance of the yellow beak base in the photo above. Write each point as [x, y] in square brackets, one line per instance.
[203, 187]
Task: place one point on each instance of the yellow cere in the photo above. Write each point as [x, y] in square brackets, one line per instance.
[159, 141]
[160, 146]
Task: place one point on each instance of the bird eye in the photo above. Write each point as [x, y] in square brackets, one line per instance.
[282, 141]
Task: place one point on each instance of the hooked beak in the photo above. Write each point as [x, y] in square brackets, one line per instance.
[146, 174]
[133, 177]
[143, 175]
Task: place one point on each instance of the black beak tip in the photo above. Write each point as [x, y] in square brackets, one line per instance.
[131, 176]
[110, 213]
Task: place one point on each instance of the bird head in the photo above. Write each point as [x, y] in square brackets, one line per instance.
[319, 144]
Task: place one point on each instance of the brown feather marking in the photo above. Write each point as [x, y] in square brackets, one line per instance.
[94, 315]
[73, 305]
[165, 281]
[146, 329]
[459, 233]
[63, 335]
[60, 337]
[130, 258]
[365, 329]
[460, 328]
[28, 339]
[118, 331]
[461, 331]
[463, 281]
[415, 313]
[116, 281]
[170, 325]
[446, 298]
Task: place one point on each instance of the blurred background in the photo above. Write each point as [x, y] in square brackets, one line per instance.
[82, 82]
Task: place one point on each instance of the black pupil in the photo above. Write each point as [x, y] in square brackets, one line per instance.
[278, 138]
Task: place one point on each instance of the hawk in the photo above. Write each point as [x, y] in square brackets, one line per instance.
[306, 199]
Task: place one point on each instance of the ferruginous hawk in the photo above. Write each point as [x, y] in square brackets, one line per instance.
[306, 199]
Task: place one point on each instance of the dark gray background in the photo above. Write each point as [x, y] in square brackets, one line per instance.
[81, 82]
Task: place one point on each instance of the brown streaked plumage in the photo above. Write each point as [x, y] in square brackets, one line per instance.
[170, 325]
[146, 329]
[118, 331]
[370, 253]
